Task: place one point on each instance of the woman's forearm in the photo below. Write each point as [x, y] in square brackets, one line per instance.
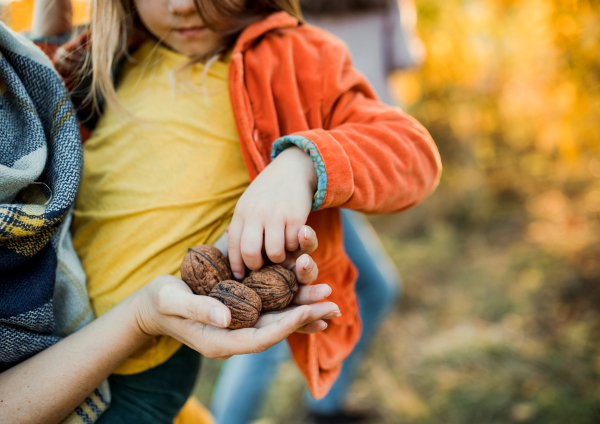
[51, 17]
[48, 386]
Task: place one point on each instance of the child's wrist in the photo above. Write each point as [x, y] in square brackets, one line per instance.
[317, 168]
[302, 161]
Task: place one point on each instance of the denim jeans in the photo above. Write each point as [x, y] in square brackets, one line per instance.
[245, 379]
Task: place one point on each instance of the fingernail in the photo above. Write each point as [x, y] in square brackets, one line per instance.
[217, 317]
[305, 232]
[324, 291]
[306, 262]
[238, 276]
[325, 327]
[333, 314]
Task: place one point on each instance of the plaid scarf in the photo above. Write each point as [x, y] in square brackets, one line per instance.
[43, 296]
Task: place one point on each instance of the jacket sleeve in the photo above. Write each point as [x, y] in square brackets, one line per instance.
[376, 158]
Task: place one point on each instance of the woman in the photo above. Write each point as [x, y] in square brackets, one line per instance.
[48, 374]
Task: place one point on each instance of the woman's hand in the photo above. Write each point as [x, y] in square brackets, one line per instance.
[168, 306]
[273, 208]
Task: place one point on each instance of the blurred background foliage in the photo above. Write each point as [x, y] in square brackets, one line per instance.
[499, 320]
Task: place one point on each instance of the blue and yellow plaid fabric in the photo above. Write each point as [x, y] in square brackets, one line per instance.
[42, 286]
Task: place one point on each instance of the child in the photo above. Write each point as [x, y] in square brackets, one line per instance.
[380, 36]
[164, 171]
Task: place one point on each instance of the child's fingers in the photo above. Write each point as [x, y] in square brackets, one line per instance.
[291, 236]
[311, 294]
[274, 241]
[306, 269]
[234, 237]
[251, 245]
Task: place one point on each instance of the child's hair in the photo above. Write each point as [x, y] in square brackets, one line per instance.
[113, 22]
[332, 7]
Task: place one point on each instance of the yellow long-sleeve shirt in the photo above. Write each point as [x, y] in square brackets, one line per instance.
[157, 182]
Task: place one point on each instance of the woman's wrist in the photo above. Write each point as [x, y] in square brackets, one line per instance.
[60, 377]
[143, 320]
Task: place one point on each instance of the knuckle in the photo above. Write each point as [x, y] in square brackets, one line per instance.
[276, 253]
[162, 298]
[258, 348]
[196, 312]
[291, 232]
[295, 222]
[210, 354]
[291, 245]
[249, 253]
[232, 244]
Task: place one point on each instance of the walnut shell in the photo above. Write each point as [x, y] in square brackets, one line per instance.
[203, 267]
[275, 285]
[245, 305]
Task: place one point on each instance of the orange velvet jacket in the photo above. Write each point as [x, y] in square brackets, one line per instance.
[290, 79]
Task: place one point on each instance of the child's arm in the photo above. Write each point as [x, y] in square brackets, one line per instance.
[371, 157]
[377, 159]
[51, 18]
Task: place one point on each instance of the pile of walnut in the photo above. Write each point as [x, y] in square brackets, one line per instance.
[206, 270]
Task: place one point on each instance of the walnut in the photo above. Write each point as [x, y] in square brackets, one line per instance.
[204, 266]
[243, 302]
[275, 285]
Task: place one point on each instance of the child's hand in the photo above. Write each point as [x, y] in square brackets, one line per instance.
[168, 306]
[274, 208]
[306, 271]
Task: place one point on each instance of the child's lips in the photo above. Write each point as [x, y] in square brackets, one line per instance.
[190, 32]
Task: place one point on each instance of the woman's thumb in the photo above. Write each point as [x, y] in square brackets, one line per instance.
[207, 310]
[203, 309]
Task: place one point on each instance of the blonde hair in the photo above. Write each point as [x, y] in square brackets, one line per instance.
[114, 22]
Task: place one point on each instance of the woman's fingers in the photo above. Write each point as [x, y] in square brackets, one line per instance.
[307, 239]
[313, 327]
[250, 340]
[311, 294]
[306, 270]
[307, 244]
[324, 310]
[200, 321]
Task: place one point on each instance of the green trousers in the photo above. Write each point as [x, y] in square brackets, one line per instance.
[154, 396]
